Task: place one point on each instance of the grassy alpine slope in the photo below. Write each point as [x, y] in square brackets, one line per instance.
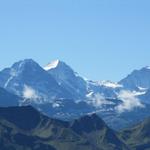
[24, 128]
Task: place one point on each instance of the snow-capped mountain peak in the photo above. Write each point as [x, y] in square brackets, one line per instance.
[147, 67]
[67, 77]
[52, 65]
[137, 78]
[24, 64]
[28, 73]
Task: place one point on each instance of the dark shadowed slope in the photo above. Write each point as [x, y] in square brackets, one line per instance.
[8, 99]
[138, 137]
[24, 128]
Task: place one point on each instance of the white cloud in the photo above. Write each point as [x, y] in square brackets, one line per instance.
[55, 105]
[29, 93]
[129, 101]
[98, 100]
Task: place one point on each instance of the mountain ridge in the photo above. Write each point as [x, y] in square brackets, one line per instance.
[47, 133]
[60, 92]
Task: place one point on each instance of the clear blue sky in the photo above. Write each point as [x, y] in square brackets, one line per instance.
[100, 39]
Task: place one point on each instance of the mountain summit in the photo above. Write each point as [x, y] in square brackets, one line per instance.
[67, 78]
[34, 131]
[29, 80]
[52, 65]
[137, 79]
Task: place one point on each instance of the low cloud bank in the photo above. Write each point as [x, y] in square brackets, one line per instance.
[129, 101]
[29, 93]
[98, 100]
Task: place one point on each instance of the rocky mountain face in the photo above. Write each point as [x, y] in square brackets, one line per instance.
[27, 79]
[67, 78]
[8, 99]
[138, 79]
[58, 91]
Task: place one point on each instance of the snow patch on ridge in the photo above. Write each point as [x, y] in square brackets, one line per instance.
[110, 84]
[12, 75]
[147, 67]
[52, 65]
[98, 100]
